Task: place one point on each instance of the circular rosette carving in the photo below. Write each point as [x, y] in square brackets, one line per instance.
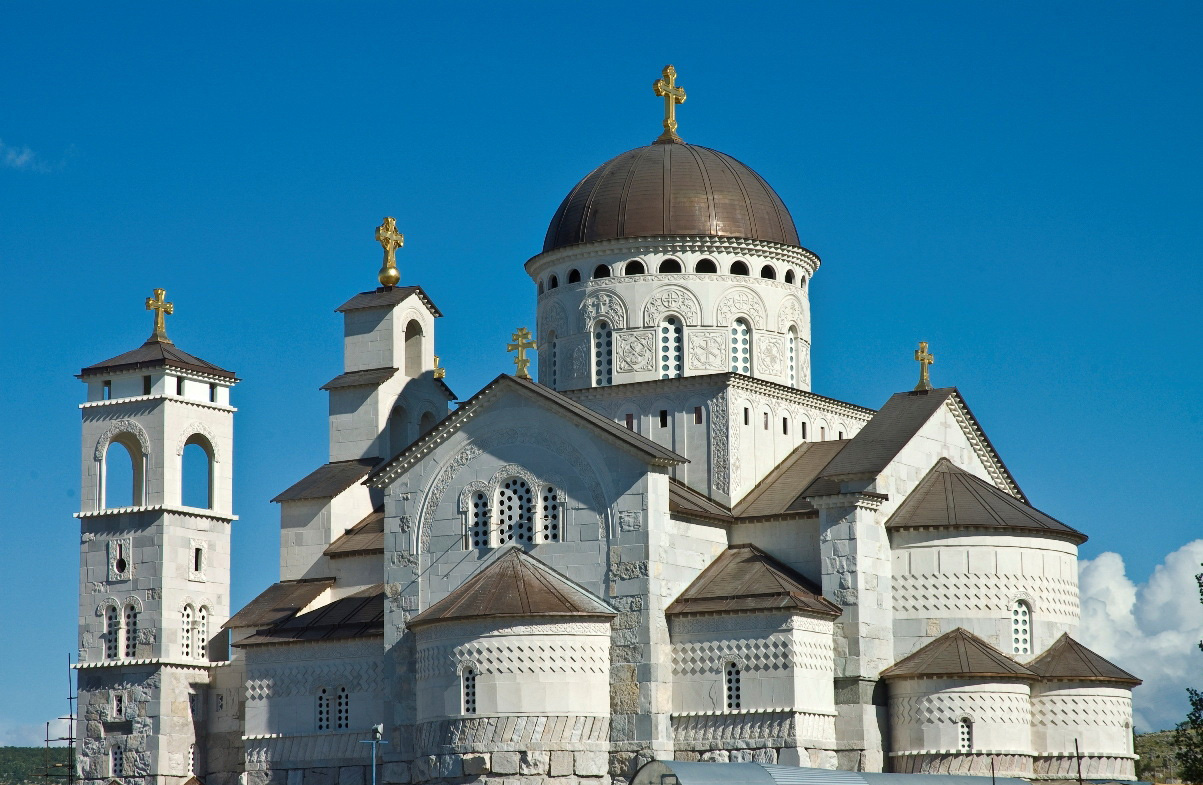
[606, 305]
[672, 300]
[740, 302]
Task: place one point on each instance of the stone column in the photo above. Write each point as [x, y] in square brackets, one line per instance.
[856, 576]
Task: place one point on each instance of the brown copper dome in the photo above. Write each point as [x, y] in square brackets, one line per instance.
[671, 189]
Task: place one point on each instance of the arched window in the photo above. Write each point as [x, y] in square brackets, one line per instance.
[398, 429]
[732, 674]
[741, 347]
[965, 734]
[426, 422]
[515, 512]
[670, 266]
[196, 473]
[671, 353]
[413, 348]
[552, 282]
[186, 632]
[603, 354]
[601, 271]
[468, 690]
[739, 268]
[574, 276]
[768, 272]
[342, 709]
[792, 350]
[478, 529]
[123, 473]
[131, 630]
[802, 432]
[1021, 627]
[323, 709]
[789, 276]
[706, 266]
[551, 514]
[116, 762]
[634, 267]
[552, 370]
[201, 644]
[112, 632]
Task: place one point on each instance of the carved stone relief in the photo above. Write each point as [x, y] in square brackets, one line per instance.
[707, 350]
[791, 313]
[804, 364]
[636, 350]
[122, 426]
[719, 453]
[672, 299]
[552, 319]
[193, 429]
[769, 354]
[604, 304]
[740, 302]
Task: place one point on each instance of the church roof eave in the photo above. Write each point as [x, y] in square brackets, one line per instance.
[958, 654]
[383, 297]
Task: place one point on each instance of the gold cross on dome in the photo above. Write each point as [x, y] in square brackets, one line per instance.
[390, 239]
[160, 307]
[924, 359]
[521, 342]
[667, 86]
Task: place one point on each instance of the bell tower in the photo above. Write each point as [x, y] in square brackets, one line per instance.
[155, 516]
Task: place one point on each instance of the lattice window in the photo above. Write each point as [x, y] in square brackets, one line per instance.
[468, 685]
[131, 630]
[551, 514]
[793, 357]
[186, 632]
[1021, 627]
[515, 512]
[741, 347]
[116, 762]
[192, 759]
[603, 354]
[323, 709]
[965, 734]
[478, 530]
[732, 674]
[112, 632]
[554, 372]
[118, 706]
[201, 644]
[342, 709]
[671, 354]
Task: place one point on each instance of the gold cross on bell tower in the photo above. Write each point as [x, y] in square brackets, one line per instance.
[924, 359]
[521, 342]
[160, 307]
[390, 239]
[667, 86]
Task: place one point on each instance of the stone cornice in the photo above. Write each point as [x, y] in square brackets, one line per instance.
[198, 512]
[804, 397]
[701, 244]
[160, 397]
[200, 665]
[867, 501]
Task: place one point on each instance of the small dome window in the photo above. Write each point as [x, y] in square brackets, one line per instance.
[670, 266]
[553, 282]
[789, 276]
[706, 266]
[739, 268]
[768, 272]
[601, 271]
[634, 267]
[574, 276]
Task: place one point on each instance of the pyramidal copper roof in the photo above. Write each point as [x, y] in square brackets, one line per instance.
[671, 189]
[514, 584]
[155, 353]
[958, 654]
[744, 578]
[1068, 659]
[951, 496]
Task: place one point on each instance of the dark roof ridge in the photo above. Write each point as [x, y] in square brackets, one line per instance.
[957, 654]
[1069, 660]
[734, 583]
[155, 353]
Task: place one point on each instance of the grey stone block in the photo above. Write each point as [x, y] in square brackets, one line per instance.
[716, 756]
[766, 755]
[534, 762]
[740, 756]
[394, 773]
[351, 775]
[590, 764]
[450, 766]
[561, 764]
[321, 776]
[475, 764]
[505, 763]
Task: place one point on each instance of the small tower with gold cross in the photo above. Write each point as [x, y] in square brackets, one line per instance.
[156, 509]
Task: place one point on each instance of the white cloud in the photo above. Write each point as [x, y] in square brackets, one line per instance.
[24, 159]
[1151, 629]
[16, 734]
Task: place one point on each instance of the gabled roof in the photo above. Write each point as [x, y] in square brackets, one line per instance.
[365, 378]
[155, 354]
[328, 481]
[359, 615]
[891, 429]
[279, 602]
[687, 501]
[780, 492]
[952, 497]
[367, 536]
[514, 584]
[582, 415]
[745, 578]
[958, 654]
[1068, 659]
[385, 296]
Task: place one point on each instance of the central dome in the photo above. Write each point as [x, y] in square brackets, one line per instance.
[671, 189]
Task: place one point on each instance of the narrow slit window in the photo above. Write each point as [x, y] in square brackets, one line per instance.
[198, 559]
[131, 630]
[766, 421]
[212, 393]
[468, 687]
[697, 415]
[747, 416]
[802, 433]
[107, 390]
[785, 426]
[732, 676]
[630, 422]
[323, 709]
[478, 532]
[342, 709]
[118, 706]
[664, 418]
[603, 354]
[201, 644]
[186, 632]
[112, 624]
[146, 385]
[179, 386]
[551, 514]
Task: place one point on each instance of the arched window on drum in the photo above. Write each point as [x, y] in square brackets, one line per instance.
[793, 359]
[1021, 627]
[741, 347]
[671, 353]
[603, 354]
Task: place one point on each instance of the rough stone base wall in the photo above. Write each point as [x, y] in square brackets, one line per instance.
[1094, 767]
[974, 763]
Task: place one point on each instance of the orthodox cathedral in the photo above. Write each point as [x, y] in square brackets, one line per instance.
[668, 547]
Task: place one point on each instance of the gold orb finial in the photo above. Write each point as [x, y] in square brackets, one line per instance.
[390, 239]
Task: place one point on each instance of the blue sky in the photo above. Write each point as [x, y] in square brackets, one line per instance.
[1017, 183]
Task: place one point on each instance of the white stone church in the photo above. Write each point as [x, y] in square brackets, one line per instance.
[667, 547]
